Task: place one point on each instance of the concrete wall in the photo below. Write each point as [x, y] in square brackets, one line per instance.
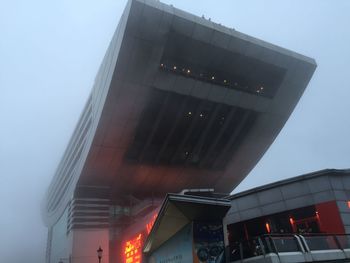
[341, 187]
[86, 243]
[60, 247]
[291, 195]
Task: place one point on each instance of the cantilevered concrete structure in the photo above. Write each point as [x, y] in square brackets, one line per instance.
[178, 102]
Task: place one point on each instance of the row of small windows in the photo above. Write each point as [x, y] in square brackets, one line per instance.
[212, 78]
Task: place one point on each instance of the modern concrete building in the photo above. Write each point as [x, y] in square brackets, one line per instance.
[178, 102]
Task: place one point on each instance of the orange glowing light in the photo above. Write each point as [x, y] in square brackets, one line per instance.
[348, 204]
[151, 223]
[268, 229]
[132, 250]
[317, 216]
[291, 221]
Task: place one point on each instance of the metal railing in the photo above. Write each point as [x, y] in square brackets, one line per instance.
[288, 244]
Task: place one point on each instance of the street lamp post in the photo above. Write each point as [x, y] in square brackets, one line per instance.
[99, 254]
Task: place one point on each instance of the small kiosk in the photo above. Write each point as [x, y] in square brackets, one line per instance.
[187, 229]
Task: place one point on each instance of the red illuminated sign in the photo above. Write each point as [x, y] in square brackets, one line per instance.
[132, 250]
[151, 223]
[133, 247]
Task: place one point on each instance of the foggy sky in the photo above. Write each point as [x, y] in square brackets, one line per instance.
[49, 55]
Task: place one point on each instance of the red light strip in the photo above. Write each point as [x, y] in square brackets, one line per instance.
[151, 223]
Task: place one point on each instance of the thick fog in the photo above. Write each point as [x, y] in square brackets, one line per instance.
[49, 55]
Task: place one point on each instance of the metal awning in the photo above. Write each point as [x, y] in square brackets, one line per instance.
[179, 210]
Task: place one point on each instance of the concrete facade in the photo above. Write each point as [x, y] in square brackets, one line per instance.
[178, 102]
[297, 192]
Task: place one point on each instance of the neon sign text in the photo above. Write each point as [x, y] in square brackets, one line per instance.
[132, 250]
[133, 247]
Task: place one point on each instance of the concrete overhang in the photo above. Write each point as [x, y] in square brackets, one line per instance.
[149, 128]
[141, 142]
